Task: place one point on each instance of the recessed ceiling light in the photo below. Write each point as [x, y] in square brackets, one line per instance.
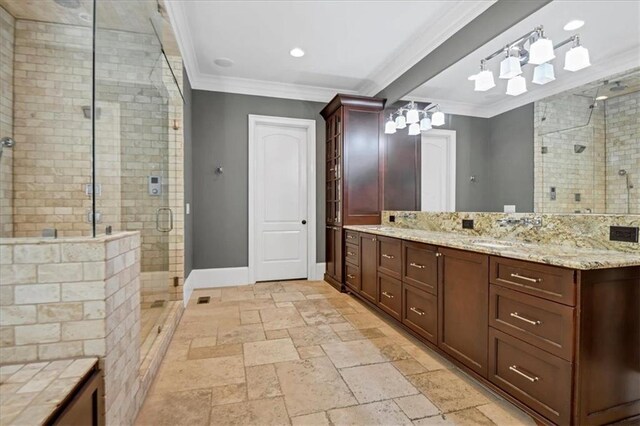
[223, 62]
[573, 25]
[602, 98]
[296, 52]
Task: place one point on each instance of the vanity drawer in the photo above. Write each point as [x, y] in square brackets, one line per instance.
[352, 276]
[420, 266]
[390, 256]
[549, 282]
[352, 237]
[420, 312]
[352, 254]
[390, 295]
[544, 324]
[537, 378]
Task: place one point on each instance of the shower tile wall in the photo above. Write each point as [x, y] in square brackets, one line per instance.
[561, 167]
[7, 27]
[623, 152]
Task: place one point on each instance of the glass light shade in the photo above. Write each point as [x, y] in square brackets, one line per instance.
[510, 67]
[390, 127]
[576, 59]
[437, 119]
[425, 124]
[484, 81]
[516, 86]
[543, 74]
[413, 116]
[401, 122]
[541, 51]
[414, 129]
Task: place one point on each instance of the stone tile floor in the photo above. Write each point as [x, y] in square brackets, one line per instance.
[301, 353]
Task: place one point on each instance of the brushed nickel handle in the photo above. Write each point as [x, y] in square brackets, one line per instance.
[389, 295]
[527, 320]
[438, 254]
[350, 237]
[373, 239]
[522, 277]
[388, 256]
[514, 368]
[417, 311]
[415, 265]
[350, 276]
[349, 253]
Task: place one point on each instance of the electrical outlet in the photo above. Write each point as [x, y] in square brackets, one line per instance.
[467, 223]
[392, 218]
[627, 234]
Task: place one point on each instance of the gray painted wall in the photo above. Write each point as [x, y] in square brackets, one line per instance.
[220, 202]
[510, 160]
[188, 175]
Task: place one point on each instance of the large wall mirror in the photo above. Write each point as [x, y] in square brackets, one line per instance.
[532, 132]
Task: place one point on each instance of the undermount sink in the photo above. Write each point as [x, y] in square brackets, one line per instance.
[493, 244]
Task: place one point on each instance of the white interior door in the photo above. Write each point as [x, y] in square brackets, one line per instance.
[281, 231]
[438, 171]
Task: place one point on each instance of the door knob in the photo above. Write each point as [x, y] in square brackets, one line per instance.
[304, 222]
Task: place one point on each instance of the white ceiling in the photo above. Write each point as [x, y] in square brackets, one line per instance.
[351, 46]
[611, 33]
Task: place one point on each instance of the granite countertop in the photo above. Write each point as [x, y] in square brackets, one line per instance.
[568, 257]
[30, 393]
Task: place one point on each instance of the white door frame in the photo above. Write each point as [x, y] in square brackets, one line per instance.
[450, 135]
[310, 127]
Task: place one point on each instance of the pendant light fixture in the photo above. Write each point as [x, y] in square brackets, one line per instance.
[577, 57]
[390, 126]
[543, 74]
[516, 86]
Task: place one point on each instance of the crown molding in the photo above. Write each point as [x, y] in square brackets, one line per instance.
[607, 66]
[422, 44]
[182, 32]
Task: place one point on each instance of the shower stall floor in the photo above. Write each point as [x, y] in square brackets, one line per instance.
[152, 318]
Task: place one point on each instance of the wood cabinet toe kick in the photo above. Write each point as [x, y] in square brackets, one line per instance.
[562, 344]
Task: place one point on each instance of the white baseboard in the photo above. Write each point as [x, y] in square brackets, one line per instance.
[227, 277]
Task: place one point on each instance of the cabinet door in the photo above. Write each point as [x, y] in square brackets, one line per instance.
[330, 252]
[464, 307]
[337, 247]
[368, 267]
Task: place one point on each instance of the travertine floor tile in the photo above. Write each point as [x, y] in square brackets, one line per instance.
[505, 414]
[276, 334]
[470, 416]
[409, 367]
[262, 382]
[214, 351]
[240, 334]
[417, 406]
[258, 412]
[315, 419]
[376, 413]
[173, 408]
[312, 385]
[312, 335]
[447, 391]
[249, 317]
[439, 420]
[228, 394]
[199, 374]
[307, 352]
[429, 360]
[290, 296]
[376, 382]
[279, 318]
[360, 334]
[269, 351]
[351, 354]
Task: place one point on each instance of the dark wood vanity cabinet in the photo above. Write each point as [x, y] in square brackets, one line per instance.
[84, 405]
[562, 344]
[353, 172]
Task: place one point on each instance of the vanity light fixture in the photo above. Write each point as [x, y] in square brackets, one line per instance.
[412, 112]
[437, 119]
[390, 126]
[413, 116]
[425, 123]
[401, 122]
[414, 129]
[535, 49]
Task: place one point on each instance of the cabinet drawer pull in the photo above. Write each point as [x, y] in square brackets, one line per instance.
[389, 295]
[415, 265]
[514, 368]
[349, 237]
[438, 254]
[373, 239]
[527, 320]
[417, 311]
[351, 276]
[522, 277]
[388, 256]
[350, 253]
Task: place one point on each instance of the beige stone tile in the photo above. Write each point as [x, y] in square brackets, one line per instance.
[417, 406]
[197, 374]
[364, 320]
[240, 334]
[502, 413]
[249, 317]
[376, 382]
[311, 335]
[257, 412]
[228, 394]
[322, 316]
[315, 419]
[360, 334]
[439, 420]
[447, 391]
[470, 416]
[279, 318]
[290, 296]
[429, 359]
[269, 351]
[193, 330]
[276, 334]
[307, 352]
[341, 326]
[351, 354]
[270, 287]
[201, 342]
[376, 413]
[284, 304]
[312, 385]
[215, 351]
[409, 367]
[262, 382]
[173, 408]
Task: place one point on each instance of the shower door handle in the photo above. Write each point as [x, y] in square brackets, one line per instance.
[158, 213]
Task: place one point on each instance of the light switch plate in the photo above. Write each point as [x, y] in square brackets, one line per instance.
[187, 208]
[509, 208]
